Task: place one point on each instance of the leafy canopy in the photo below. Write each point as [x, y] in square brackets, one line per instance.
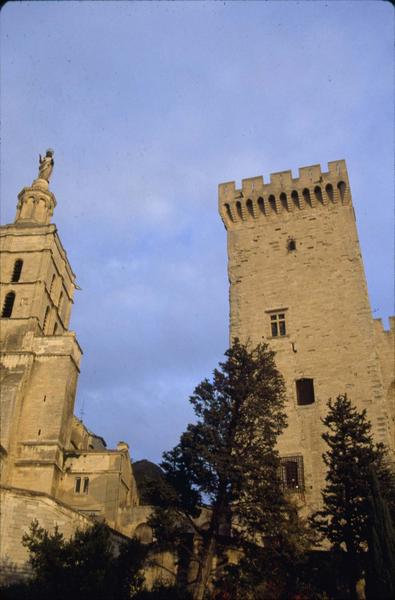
[221, 482]
[86, 566]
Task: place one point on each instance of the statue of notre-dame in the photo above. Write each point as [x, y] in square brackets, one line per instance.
[46, 164]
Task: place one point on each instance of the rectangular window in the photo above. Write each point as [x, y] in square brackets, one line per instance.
[305, 391]
[86, 485]
[77, 485]
[277, 324]
[292, 474]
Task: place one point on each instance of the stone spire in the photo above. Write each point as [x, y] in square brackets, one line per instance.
[36, 203]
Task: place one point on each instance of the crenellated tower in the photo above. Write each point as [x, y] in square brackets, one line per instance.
[39, 355]
[297, 282]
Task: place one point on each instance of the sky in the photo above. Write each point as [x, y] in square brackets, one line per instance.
[148, 106]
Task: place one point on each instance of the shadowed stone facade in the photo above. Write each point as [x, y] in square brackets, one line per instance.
[297, 282]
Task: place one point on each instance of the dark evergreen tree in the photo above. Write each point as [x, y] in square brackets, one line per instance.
[344, 519]
[227, 459]
[381, 543]
[85, 567]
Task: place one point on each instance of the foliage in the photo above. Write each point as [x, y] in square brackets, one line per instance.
[228, 459]
[381, 544]
[84, 567]
[163, 592]
[274, 570]
[344, 519]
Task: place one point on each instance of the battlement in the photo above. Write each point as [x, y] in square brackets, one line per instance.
[284, 194]
[379, 326]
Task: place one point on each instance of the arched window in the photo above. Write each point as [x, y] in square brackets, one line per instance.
[341, 186]
[250, 208]
[272, 202]
[306, 196]
[261, 205]
[318, 194]
[283, 200]
[8, 305]
[45, 318]
[295, 198]
[16, 274]
[229, 214]
[329, 191]
[238, 208]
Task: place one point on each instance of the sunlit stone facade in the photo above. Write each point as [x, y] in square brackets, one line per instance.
[297, 282]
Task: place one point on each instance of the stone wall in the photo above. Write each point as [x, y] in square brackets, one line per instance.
[293, 252]
[18, 509]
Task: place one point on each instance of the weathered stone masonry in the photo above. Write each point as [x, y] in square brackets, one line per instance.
[297, 282]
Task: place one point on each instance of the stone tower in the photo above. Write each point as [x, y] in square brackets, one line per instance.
[297, 282]
[40, 357]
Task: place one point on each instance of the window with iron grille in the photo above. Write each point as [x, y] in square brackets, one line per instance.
[292, 475]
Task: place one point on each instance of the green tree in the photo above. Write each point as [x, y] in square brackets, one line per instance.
[381, 543]
[227, 459]
[344, 519]
[87, 566]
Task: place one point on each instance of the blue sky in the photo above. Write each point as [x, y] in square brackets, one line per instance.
[149, 105]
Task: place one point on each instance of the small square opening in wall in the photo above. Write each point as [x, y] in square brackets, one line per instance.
[305, 391]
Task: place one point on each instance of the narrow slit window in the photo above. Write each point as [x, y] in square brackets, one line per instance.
[16, 274]
[85, 487]
[305, 391]
[277, 324]
[250, 208]
[8, 305]
[77, 485]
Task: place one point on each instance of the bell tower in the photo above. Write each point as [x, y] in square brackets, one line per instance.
[39, 356]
